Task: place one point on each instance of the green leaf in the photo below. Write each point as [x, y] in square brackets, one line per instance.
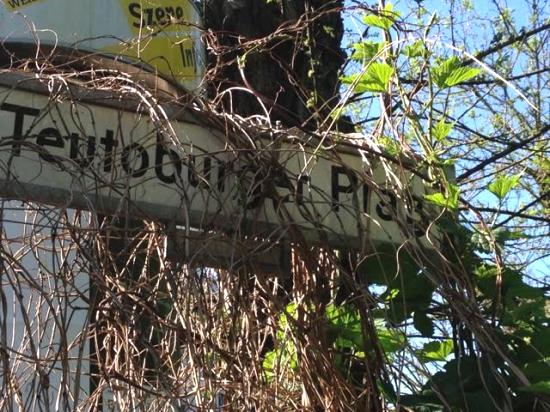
[436, 351]
[451, 72]
[537, 371]
[516, 292]
[541, 341]
[408, 288]
[384, 20]
[391, 340]
[422, 403]
[539, 387]
[375, 78]
[388, 390]
[417, 49]
[391, 146]
[448, 200]
[366, 50]
[466, 384]
[283, 358]
[503, 185]
[344, 327]
[386, 267]
[461, 75]
[269, 365]
[505, 235]
[441, 130]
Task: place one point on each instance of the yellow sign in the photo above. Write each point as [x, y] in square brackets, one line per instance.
[176, 59]
[17, 4]
[158, 15]
[163, 34]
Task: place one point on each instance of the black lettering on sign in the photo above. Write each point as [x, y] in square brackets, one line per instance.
[366, 198]
[128, 161]
[223, 169]
[20, 113]
[295, 195]
[160, 14]
[249, 186]
[415, 206]
[338, 188]
[302, 181]
[149, 20]
[282, 181]
[193, 175]
[154, 16]
[75, 150]
[188, 58]
[14, 4]
[174, 162]
[386, 209]
[110, 145]
[49, 137]
[135, 11]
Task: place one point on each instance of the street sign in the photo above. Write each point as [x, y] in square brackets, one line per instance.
[77, 153]
[163, 35]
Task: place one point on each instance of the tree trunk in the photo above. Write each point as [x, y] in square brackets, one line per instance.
[289, 53]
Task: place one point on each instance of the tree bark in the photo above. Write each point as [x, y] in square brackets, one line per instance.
[288, 50]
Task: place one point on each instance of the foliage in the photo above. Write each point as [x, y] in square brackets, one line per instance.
[483, 110]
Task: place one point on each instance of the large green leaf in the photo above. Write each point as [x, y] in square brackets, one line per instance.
[391, 340]
[502, 185]
[283, 358]
[344, 327]
[538, 387]
[408, 288]
[503, 235]
[466, 384]
[384, 19]
[441, 130]
[541, 342]
[385, 266]
[448, 200]
[460, 75]
[537, 371]
[367, 50]
[450, 72]
[436, 351]
[290, 310]
[346, 333]
[375, 78]
[417, 49]
[512, 285]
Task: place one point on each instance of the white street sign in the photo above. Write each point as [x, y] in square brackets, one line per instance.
[76, 154]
